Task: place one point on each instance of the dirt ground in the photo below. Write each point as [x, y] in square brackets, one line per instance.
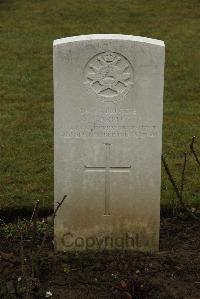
[174, 272]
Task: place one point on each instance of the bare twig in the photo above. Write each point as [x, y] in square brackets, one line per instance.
[183, 177]
[33, 222]
[178, 193]
[22, 257]
[193, 150]
[35, 211]
[171, 178]
[59, 204]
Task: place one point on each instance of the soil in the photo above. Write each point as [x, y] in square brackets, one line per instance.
[174, 272]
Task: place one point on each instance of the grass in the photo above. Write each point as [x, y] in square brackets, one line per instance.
[27, 31]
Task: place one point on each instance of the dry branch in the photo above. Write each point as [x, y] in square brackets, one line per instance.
[22, 257]
[33, 223]
[178, 193]
[193, 150]
[35, 211]
[183, 177]
[59, 204]
[171, 177]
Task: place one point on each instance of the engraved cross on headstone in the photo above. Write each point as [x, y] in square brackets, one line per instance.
[107, 169]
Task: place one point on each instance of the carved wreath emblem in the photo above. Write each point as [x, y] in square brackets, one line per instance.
[109, 74]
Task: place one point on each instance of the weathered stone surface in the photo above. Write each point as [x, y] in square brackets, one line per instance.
[108, 92]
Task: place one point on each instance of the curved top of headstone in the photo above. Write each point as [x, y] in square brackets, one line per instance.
[124, 37]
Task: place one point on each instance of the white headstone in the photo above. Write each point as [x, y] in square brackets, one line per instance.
[108, 93]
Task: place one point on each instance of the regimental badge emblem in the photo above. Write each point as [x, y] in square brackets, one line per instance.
[109, 75]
